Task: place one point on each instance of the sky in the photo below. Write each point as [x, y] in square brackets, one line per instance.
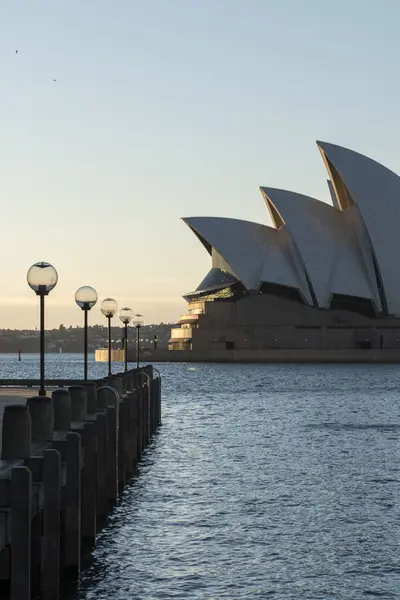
[170, 108]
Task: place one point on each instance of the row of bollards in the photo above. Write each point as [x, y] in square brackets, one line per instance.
[65, 458]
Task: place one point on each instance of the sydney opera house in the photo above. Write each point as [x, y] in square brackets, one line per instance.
[324, 276]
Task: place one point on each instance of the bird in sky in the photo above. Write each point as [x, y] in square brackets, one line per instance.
[54, 79]
[16, 52]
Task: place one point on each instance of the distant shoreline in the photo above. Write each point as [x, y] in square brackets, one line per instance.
[47, 353]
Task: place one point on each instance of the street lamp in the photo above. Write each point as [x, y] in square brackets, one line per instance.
[42, 278]
[86, 298]
[126, 314]
[109, 308]
[137, 322]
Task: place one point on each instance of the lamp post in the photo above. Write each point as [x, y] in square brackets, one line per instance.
[138, 322]
[109, 308]
[42, 278]
[86, 298]
[126, 314]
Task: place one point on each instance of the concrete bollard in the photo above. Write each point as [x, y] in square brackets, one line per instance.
[148, 408]
[102, 396]
[91, 394]
[156, 383]
[137, 379]
[78, 403]
[155, 402]
[62, 409]
[144, 400]
[51, 525]
[152, 406]
[21, 513]
[143, 404]
[122, 440]
[147, 413]
[148, 382]
[89, 477]
[36, 546]
[101, 467]
[120, 385]
[131, 381]
[16, 432]
[42, 418]
[141, 418]
[139, 428]
[128, 433]
[144, 396]
[132, 432]
[108, 400]
[159, 420]
[112, 454]
[124, 382]
[135, 428]
[72, 513]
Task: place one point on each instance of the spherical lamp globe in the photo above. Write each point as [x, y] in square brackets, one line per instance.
[138, 320]
[125, 314]
[42, 278]
[86, 297]
[109, 307]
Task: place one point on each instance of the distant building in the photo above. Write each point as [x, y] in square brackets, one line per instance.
[323, 276]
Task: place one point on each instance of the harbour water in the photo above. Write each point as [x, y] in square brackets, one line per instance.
[265, 481]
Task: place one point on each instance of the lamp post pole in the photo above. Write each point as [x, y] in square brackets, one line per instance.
[126, 346]
[109, 346]
[109, 308]
[138, 321]
[137, 346]
[42, 278]
[125, 315]
[86, 298]
[85, 343]
[42, 293]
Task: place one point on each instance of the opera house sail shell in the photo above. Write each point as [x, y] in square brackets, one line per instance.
[322, 261]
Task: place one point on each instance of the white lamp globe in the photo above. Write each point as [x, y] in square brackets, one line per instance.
[109, 307]
[86, 297]
[42, 277]
[125, 314]
[138, 320]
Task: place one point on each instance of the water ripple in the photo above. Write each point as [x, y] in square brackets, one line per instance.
[266, 481]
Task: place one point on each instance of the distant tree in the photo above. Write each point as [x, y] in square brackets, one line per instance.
[61, 328]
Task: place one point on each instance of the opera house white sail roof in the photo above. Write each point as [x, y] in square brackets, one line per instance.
[348, 250]
[252, 252]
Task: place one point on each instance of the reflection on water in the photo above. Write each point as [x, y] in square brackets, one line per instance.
[57, 366]
[265, 481]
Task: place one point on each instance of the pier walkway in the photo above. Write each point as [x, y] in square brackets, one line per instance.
[65, 457]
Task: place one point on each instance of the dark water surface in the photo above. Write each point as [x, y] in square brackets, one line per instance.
[265, 481]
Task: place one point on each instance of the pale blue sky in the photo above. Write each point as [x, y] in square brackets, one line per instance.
[171, 108]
